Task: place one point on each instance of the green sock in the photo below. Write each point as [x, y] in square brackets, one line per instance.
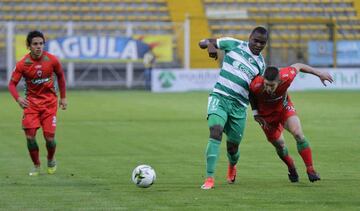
[302, 144]
[32, 144]
[282, 152]
[212, 151]
[233, 159]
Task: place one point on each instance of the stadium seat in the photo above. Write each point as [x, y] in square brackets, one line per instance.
[296, 20]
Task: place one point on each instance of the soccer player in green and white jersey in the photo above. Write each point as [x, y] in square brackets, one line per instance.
[229, 99]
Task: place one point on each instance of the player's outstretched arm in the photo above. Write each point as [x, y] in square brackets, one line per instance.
[324, 76]
[211, 45]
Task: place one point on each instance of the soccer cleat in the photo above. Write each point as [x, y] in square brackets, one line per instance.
[209, 183]
[35, 171]
[231, 174]
[51, 166]
[313, 176]
[293, 175]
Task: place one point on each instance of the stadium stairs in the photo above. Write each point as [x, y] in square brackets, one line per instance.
[199, 29]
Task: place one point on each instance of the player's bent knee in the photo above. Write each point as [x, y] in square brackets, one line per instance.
[216, 132]
[30, 140]
[30, 133]
[278, 144]
[49, 136]
[296, 131]
[298, 136]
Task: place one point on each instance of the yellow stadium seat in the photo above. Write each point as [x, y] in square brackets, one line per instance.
[6, 8]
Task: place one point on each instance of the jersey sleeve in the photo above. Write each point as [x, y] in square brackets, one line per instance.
[255, 88]
[17, 73]
[227, 43]
[288, 74]
[255, 85]
[15, 78]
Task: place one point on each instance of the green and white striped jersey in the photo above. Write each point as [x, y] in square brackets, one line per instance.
[239, 67]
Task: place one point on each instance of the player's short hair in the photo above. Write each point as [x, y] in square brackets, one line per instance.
[271, 73]
[260, 30]
[33, 34]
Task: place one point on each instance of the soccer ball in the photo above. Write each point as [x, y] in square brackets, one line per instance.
[143, 176]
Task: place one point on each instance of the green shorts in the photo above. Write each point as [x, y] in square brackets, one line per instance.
[229, 113]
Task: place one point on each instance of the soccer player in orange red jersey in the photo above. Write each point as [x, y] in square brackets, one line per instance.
[41, 102]
[274, 111]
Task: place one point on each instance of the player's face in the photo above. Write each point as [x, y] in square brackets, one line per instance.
[270, 86]
[257, 42]
[36, 47]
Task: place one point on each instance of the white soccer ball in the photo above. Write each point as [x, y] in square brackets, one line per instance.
[143, 176]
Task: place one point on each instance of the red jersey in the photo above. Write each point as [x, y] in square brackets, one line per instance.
[39, 76]
[275, 102]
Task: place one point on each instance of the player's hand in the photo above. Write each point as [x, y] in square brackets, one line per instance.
[23, 102]
[63, 103]
[325, 76]
[261, 122]
[212, 51]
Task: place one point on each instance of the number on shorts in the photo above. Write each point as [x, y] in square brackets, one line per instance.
[213, 103]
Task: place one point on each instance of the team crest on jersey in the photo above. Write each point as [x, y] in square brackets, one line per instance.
[39, 73]
[236, 64]
[38, 70]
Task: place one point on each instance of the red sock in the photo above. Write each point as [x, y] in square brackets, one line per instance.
[34, 154]
[307, 158]
[288, 161]
[51, 148]
[51, 153]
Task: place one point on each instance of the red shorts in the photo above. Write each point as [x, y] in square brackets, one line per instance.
[276, 121]
[40, 114]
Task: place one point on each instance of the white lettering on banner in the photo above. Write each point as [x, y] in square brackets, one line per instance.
[346, 79]
[71, 47]
[197, 77]
[130, 51]
[102, 46]
[112, 48]
[55, 48]
[75, 47]
[88, 46]
[179, 80]
[182, 80]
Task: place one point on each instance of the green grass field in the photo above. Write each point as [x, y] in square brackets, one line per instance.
[104, 134]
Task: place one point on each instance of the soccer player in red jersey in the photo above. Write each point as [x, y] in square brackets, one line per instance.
[274, 111]
[38, 68]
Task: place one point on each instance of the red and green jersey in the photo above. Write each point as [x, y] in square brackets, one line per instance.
[266, 104]
[39, 76]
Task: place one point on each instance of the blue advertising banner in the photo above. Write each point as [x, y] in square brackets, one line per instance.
[97, 48]
[320, 53]
[347, 53]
